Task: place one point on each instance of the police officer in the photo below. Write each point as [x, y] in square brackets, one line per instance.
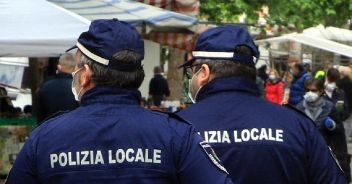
[258, 141]
[110, 138]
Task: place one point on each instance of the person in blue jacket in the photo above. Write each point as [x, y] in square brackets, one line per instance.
[257, 141]
[110, 138]
[297, 84]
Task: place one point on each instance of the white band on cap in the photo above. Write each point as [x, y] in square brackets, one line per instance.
[212, 54]
[92, 55]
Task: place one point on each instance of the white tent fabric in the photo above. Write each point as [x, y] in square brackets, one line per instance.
[136, 13]
[316, 42]
[330, 33]
[37, 28]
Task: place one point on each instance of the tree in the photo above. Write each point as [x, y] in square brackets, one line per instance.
[301, 13]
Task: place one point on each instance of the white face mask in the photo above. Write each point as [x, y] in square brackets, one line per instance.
[311, 96]
[330, 87]
[272, 77]
[190, 95]
[73, 86]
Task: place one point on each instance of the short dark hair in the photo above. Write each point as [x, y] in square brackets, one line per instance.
[227, 68]
[319, 83]
[104, 76]
[333, 75]
[157, 70]
[299, 66]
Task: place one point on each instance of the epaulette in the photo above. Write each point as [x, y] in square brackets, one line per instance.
[56, 114]
[173, 115]
[289, 106]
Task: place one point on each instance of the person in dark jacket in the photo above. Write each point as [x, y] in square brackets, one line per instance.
[158, 87]
[55, 94]
[297, 84]
[327, 119]
[336, 95]
[346, 85]
[110, 138]
[262, 73]
[258, 141]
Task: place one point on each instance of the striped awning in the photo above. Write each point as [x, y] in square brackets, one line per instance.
[181, 41]
[188, 7]
[136, 13]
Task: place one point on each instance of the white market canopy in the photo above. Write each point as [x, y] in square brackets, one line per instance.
[330, 33]
[136, 13]
[37, 28]
[312, 41]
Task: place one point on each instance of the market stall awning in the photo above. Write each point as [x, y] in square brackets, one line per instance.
[330, 33]
[136, 13]
[312, 41]
[37, 28]
[188, 7]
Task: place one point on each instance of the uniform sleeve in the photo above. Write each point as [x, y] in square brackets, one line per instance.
[195, 165]
[323, 167]
[24, 169]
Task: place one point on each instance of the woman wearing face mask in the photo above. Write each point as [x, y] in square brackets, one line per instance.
[327, 120]
[274, 88]
[336, 95]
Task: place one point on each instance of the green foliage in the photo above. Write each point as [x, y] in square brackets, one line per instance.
[301, 13]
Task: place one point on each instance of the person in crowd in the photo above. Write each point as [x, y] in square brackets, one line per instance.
[110, 138]
[346, 85]
[297, 84]
[55, 95]
[336, 95]
[274, 89]
[320, 73]
[158, 87]
[258, 141]
[286, 79]
[327, 120]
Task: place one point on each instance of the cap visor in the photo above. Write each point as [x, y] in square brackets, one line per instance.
[73, 47]
[187, 63]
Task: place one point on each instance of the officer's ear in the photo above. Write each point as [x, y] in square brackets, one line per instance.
[86, 76]
[204, 75]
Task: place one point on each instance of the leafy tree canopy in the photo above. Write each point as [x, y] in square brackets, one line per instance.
[301, 13]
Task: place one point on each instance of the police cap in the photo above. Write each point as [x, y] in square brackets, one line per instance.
[106, 37]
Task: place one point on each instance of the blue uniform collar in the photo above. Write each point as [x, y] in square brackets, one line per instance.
[228, 84]
[110, 94]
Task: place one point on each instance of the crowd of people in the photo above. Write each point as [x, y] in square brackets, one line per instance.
[229, 135]
[324, 96]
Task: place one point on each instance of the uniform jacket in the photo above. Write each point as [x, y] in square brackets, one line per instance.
[55, 95]
[111, 139]
[258, 141]
[297, 88]
[274, 91]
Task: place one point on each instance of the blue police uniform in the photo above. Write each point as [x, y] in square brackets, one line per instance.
[111, 139]
[260, 142]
